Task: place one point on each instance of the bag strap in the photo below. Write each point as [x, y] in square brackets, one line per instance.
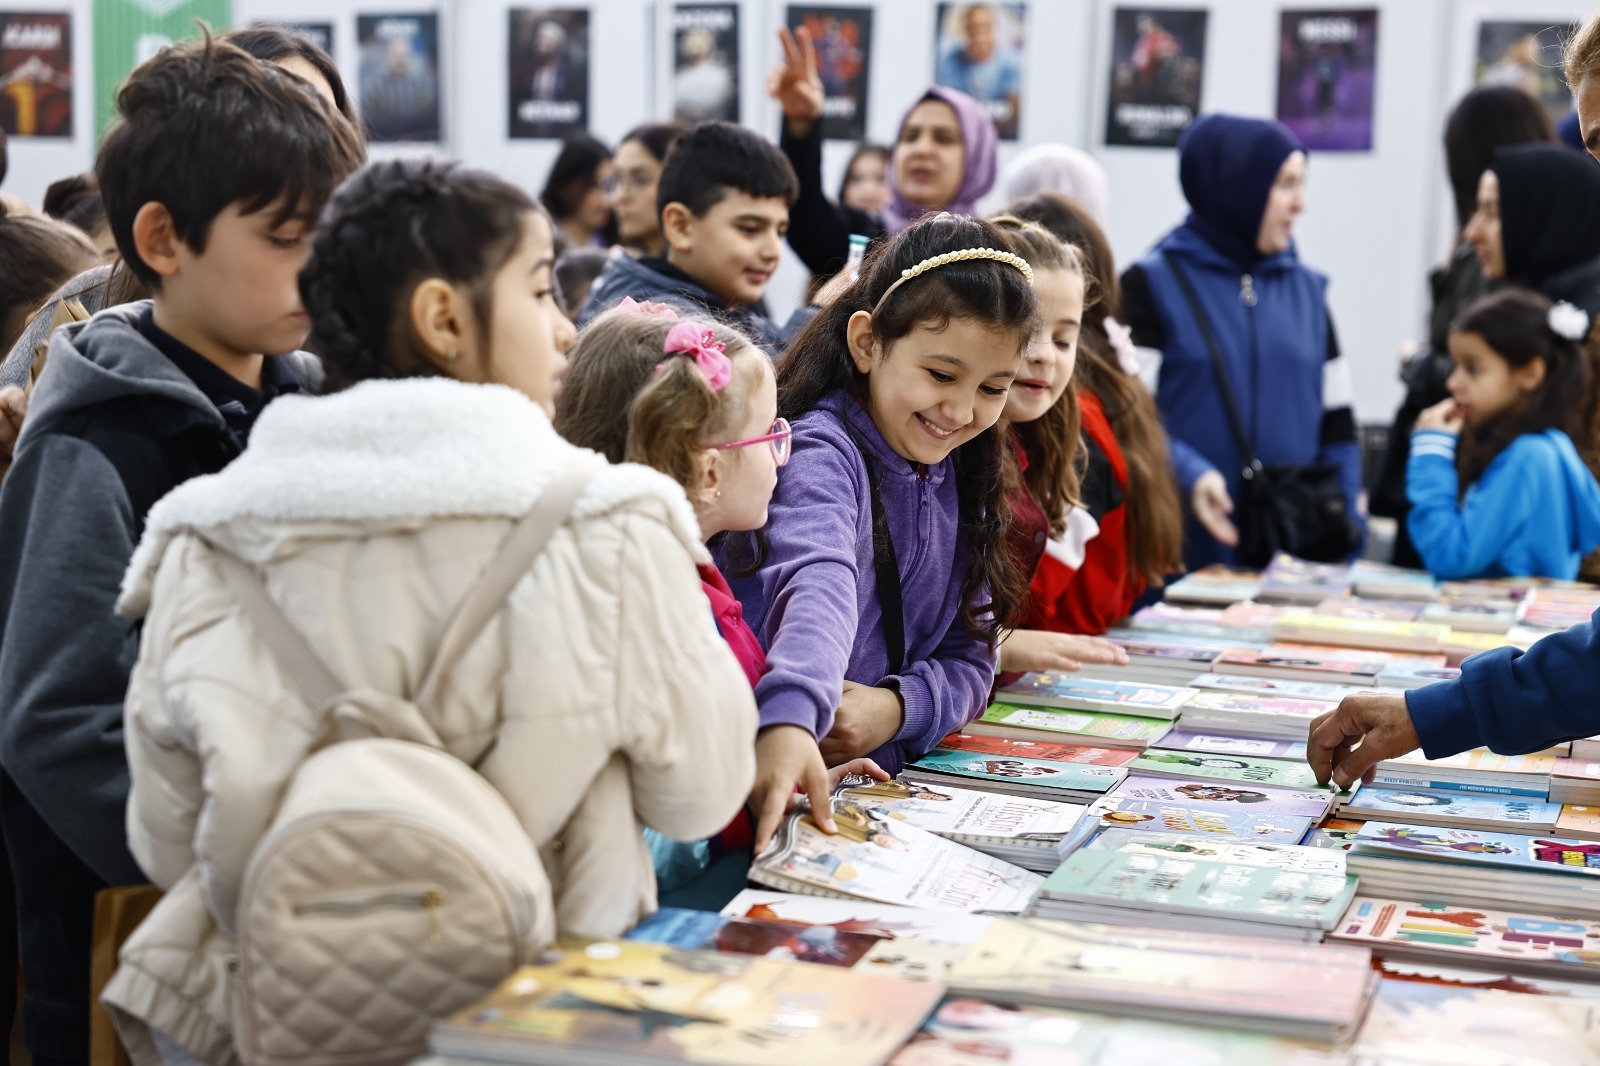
[887, 566]
[1218, 367]
[319, 685]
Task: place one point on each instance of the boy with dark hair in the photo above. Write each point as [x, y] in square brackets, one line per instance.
[723, 198]
[211, 183]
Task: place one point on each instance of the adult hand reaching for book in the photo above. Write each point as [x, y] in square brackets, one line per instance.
[1348, 742]
[1030, 650]
[786, 759]
[868, 718]
[1212, 505]
[797, 83]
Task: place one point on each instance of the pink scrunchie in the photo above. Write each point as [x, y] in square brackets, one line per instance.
[647, 308]
[697, 342]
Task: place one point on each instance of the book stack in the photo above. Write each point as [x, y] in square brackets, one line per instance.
[1261, 716]
[1452, 810]
[1459, 646]
[1151, 804]
[1182, 739]
[1011, 775]
[1074, 692]
[1575, 781]
[1277, 773]
[1478, 771]
[1214, 586]
[1152, 662]
[1266, 686]
[1205, 623]
[1372, 610]
[1360, 633]
[1513, 871]
[1586, 748]
[1579, 821]
[1113, 730]
[1380, 581]
[1555, 609]
[1314, 993]
[1299, 582]
[1472, 615]
[1516, 940]
[1289, 667]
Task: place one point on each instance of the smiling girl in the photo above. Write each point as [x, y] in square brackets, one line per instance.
[880, 583]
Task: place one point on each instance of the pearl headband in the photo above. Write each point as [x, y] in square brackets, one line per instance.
[935, 262]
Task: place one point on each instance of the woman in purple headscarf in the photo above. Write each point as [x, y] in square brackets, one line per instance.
[944, 160]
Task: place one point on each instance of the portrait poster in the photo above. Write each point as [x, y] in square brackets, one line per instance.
[705, 62]
[843, 37]
[36, 74]
[318, 33]
[128, 32]
[399, 77]
[1528, 56]
[1327, 69]
[548, 71]
[978, 49]
[1157, 59]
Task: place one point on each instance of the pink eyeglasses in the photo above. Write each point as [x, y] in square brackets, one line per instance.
[778, 439]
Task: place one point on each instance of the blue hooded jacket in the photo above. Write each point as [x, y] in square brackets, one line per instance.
[1535, 512]
[660, 282]
[1269, 315]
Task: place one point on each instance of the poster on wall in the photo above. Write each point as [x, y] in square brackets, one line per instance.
[36, 74]
[318, 33]
[548, 71]
[128, 32]
[843, 37]
[1528, 56]
[1157, 58]
[399, 76]
[978, 49]
[705, 62]
[1327, 67]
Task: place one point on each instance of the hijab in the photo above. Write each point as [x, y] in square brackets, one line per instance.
[1227, 166]
[980, 139]
[1064, 169]
[1549, 210]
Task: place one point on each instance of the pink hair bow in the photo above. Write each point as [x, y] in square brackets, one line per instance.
[697, 342]
[647, 308]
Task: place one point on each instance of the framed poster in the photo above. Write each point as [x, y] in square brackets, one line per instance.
[36, 74]
[128, 32]
[1157, 59]
[1327, 67]
[843, 37]
[399, 76]
[548, 71]
[978, 49]
[1527, 55]
[705, 62]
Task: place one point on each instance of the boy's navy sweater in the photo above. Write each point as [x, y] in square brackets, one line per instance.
[113, 426]
[660, 282]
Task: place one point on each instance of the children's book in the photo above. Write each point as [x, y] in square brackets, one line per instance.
[825, 945]
[1195, 793]
[1118, 730]
[983, 820]
[1267, 686]
[1338, 834]
[1253, 715]
[1271, 663]
[888, 861]
[1318, 992]
[1423, 660]
[1241, 853]
[1201, 622]
[1280, 773]
[1503, 940]
[1208, 819]
[1252, 617]
[1396, 675]
[1015, 776]
[1073, 693]
[1477, 771]
[1381, 581]
[620, 1001]
[1471, 616]
[1451, 1023]
[1298, 581]
[1215, 744]
[1049, 751]
[1382, 610]
[1214, 586]
[1360, 633]
[1467, 847]
[1452, 810]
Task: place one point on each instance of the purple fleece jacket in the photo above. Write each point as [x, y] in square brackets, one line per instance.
[815, 602]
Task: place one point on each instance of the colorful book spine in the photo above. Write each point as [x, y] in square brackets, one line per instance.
[1421, 779]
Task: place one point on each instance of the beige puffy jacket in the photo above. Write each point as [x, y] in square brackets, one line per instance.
[600, 699]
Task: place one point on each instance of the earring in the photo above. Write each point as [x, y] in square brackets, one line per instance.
[716, 494]
[450, 356]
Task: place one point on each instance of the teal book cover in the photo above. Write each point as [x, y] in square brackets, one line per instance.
[1192, 764]
[1069, 777]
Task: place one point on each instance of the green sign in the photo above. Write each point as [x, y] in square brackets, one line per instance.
[128, 32]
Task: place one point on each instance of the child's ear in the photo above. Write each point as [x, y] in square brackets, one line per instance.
[859, 338]
[156, 239]
[677, 227]
[440, 325]
[708, 477]
[1530, 375]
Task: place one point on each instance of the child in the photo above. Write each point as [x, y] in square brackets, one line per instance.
[1043, 415]
[1520, 394]
[210, 182]
[597, 698]
[880, 583]
[724, 197]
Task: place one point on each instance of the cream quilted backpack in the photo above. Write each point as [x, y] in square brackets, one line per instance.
[395, 885]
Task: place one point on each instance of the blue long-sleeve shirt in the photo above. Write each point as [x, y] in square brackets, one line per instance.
[1534, 512]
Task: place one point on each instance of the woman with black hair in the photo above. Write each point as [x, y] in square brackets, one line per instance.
[575, 193]
[636, 168]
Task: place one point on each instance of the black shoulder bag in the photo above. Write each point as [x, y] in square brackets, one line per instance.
[1301, 510]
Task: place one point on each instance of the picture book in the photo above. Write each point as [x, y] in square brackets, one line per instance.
[889, 861]
[586, 1001]
[1049, 751]
[1290, 580]
[825, 945]
[1241, 853]
[1074, 693]
[1225, 981]
[1010, 720]
[1336, 833]
[1451, 1023]
[1183, 740]
[1259, 799]
[1498, 939]
[1360, 632]
[1214, 585]
[1208, 819]
[1268, 686]
[1482, 849]
[966, 815]
[1453, 809]
[1280, 773]
[1244, 704]
[1140, 882]
[1036, 776]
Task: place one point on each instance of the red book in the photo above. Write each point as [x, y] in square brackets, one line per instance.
[1038, 749]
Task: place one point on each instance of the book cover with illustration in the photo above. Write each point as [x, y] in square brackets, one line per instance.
[1452, 809]
[1018, 775]
[1257, 747]
[1048, 751]
[1075, 693]
[1336, 833]
[825, 945]
[1208, 819]
[1241, 853]
[1258, 799]
[1476, 936]
[966, 815]
[1454, 1023]
[889, 861]
[1217, 702]
[1279, 773]
[1010, 720]
[1176, 656]
[1295, 691]
[1290, 580]
[1215, 585]
[1470, 847]
[587, 1001]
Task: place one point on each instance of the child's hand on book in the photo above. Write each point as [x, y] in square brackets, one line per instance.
[787, 759]
[1348, 742]
[858, 768]
[1032, 650]
[868, 718]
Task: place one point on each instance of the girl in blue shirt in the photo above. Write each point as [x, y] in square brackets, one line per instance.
[1520, 396]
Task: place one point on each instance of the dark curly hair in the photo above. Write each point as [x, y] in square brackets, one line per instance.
[393, 225]
[818, 363]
